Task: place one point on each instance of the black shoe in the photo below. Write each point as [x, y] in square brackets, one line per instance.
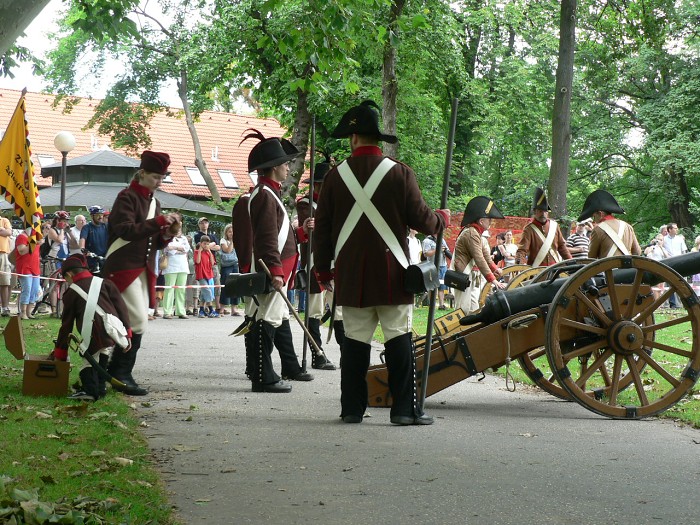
[130, 389]
[81, 396]
[300, 376]
[350, 418]
[322, 363]
[280, 387]
[423, 419]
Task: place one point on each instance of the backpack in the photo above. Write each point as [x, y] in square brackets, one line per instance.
[45, 248]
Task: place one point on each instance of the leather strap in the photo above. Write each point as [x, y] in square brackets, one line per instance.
[90, 308]
[546, 243]
[284, 230]
[364, 205]
[615, 237]
[120, 242]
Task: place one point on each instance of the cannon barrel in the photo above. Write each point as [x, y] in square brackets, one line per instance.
[502, 304]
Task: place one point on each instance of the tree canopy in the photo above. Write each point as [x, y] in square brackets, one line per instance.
[632, 106]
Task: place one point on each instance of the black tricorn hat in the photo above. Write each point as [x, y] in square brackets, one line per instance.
[540, 200]
[478, 208]
[362, 120]
[599, 200]
[269, 153]
[320, 169]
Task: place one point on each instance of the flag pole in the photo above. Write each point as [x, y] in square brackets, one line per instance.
[309, 246]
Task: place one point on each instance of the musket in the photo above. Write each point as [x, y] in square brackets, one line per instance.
[307, 334]
[76, 340]
[309, 246]
[438, 254]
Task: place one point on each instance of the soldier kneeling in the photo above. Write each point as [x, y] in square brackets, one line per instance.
[87, 293]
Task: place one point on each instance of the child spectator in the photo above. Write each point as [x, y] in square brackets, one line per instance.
[75, 270]
[204, 273]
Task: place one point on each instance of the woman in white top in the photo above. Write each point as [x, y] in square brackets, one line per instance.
[511, 248]
[176, 275]
[229, 265]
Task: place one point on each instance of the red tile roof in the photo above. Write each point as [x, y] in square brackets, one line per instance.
[218, 132]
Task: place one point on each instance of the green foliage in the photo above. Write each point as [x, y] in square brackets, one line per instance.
[82, 463]
[16, 54]
[635, 86]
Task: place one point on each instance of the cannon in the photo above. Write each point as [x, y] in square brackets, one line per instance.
[599, 328]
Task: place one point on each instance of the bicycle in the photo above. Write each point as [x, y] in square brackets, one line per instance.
[53, 282]
[98, 262]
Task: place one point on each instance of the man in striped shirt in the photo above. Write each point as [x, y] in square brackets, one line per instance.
[578, 242]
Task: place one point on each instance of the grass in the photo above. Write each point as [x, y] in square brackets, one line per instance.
[687, 410]
[79, 456]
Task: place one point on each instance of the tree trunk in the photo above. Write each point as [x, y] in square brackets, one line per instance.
[300, 138]
[561, 118]
[679, 203]
[390, 85]
[198, 159]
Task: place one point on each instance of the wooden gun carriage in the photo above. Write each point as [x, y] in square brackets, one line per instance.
[595, 336]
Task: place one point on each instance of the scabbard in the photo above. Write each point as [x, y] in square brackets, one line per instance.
[330, 326]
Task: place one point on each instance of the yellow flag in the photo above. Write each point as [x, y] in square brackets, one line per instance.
[17, 174]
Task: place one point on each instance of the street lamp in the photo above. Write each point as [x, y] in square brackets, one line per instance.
[64, 142]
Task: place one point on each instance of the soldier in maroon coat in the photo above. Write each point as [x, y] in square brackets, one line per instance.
[275, 242]
[137, 230]
[75, 270]
[371, 256]
[283, 341]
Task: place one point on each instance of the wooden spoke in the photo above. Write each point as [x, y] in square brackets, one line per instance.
[587, 349]
[632, 299]
[615, 387]
[659, 369]
[670, 349]
[665, 324]
[597, 364]
[655, 305]
[594, 308]
[583, 326]
[612, 292]
[637, 380]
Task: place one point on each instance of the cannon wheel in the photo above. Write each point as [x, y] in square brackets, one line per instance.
[560, 269]
[511, 271]
[524, 277]
[534, 363]
[615, 330]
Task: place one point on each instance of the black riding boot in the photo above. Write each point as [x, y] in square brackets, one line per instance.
[353, 380]
[101, 381]
[122, 365]
[249, 347]
[318, 361]
[291, 369]
[88, 385]
[401, 371]
[339, 331]
[262, 374]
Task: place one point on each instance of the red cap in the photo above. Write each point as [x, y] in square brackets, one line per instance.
[155, 162]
